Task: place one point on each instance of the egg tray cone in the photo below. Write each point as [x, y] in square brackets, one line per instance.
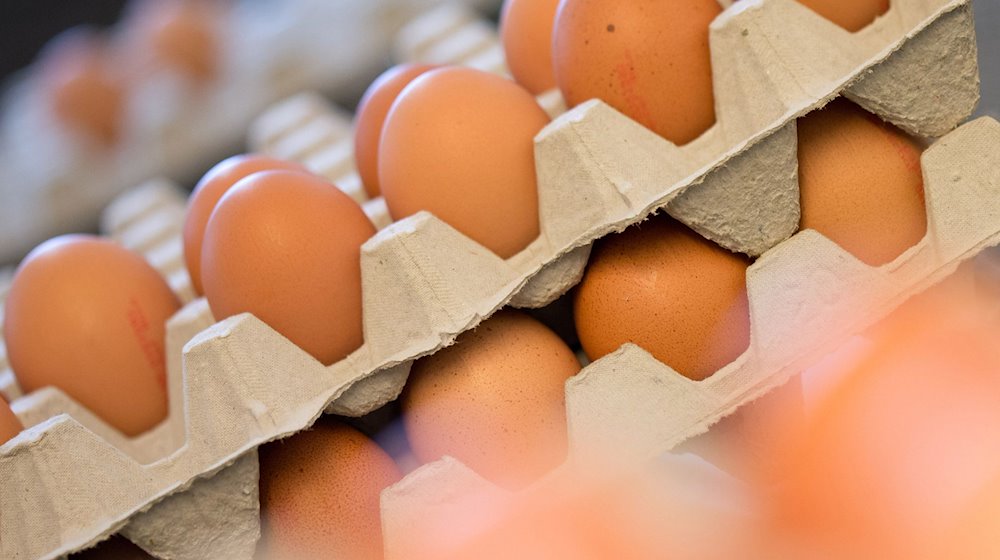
[424, 283]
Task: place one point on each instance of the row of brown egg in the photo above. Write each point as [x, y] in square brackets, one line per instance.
[213, 306]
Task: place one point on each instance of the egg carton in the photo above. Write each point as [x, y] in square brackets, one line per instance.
[757, 216]
[424, 283]
[809, 299]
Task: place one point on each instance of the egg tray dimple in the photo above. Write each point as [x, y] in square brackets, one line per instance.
[424, 283]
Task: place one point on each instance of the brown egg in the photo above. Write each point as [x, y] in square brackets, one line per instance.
[460, 143]
[495, 400]
[526, 33]
[852, 15]
[88, 316]
[181, 35]
[286, 246]
[370, 118]
[319, 495]
[861, 182]
[10, 426]
[206, 195]
[648, 59]
[665, 288]
[82, 85]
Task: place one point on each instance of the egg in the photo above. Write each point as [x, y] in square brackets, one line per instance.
[319, 495]
[88, 316]
[180, 35]
[370, 118]
[495, 400]
[206, 195]
[649, 59]
[286, 246]
[82, 85]
[10, 426]
[665, 288]
[852, 15]
[861, 183]
[459, 143]
[526, 34]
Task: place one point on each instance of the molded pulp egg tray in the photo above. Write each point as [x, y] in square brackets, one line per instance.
[240, 384]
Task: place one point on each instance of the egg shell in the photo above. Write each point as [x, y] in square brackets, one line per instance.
[647, 58]
[10, 426]
[667, 289]
[860, 182]
[319, 495]
[372, 111]
[286, 246]
[459, 143]
[903, 442]
[852, 15]
[89, 317]
[495, 400]
[526, 33]
[215, 183]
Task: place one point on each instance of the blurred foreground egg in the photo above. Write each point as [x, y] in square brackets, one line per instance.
[459, 143]
[286, 246]
[319, 495]
[903, 445]
[663, 287]
[495, 400]
[206, 195]
[89, 317]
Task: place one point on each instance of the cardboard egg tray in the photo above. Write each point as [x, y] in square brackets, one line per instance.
[242, 384]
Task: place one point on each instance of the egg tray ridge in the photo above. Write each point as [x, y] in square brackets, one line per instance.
[598, 172]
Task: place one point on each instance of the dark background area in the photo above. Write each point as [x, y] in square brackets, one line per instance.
[25, 25]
